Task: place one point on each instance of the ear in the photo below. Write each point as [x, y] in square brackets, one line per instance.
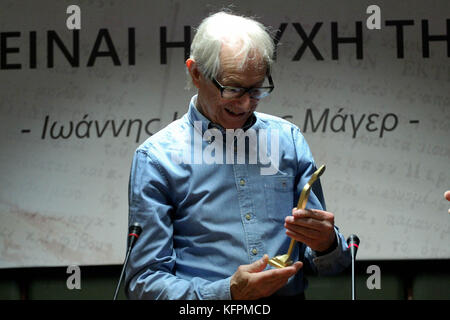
[193, 71]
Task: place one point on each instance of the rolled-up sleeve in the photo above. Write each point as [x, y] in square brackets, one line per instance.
[333, 262]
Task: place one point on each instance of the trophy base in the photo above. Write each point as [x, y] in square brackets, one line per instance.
[278, 263]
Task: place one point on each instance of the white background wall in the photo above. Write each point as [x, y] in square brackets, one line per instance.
[64, 201]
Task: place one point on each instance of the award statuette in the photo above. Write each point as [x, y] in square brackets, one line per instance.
[284, 260]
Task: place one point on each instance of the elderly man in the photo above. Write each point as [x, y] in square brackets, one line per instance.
[209, 228]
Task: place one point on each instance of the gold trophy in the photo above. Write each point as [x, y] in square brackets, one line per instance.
[284, 260]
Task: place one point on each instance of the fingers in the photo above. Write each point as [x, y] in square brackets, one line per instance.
[247, 283]
[302, 238]
[279, 273]
[312, 213]
[304, 230]
[447, 195]
[257, 266]
[272, 280]
[311, 223]
[315, 228]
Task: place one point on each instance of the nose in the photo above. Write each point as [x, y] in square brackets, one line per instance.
[248, 102]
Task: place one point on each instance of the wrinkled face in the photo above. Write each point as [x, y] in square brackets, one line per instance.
[230, 113]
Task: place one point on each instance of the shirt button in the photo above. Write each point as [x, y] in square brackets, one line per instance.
[248, 216]
[254, 251]
[242, 182]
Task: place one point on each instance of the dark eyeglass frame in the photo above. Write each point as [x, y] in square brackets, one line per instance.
[245, 90]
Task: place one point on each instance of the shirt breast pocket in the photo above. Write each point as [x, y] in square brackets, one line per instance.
[279, 197]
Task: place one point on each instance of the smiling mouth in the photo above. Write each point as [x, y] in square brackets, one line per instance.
[234, 114]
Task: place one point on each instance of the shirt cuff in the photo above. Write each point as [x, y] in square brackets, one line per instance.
[333, 247]
[217, 290]
[325, 260]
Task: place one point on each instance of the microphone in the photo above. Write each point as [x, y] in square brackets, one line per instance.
[353, 245]
[133, 234]
[134, 231]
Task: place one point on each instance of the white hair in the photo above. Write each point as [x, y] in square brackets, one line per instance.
[225, 28]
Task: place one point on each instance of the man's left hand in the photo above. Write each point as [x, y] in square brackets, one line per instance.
[315, 228]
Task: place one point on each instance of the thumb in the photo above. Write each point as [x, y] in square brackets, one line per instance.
[258, 265]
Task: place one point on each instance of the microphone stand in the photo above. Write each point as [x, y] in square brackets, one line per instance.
[353, 278]
[134, 231]
[353, 243]
[122, 273]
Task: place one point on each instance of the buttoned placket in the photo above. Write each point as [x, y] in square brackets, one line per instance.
[249, 218]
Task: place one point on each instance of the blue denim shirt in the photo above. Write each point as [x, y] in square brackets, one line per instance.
[201, 221]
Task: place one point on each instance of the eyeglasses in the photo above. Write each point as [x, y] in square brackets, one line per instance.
[236, 92]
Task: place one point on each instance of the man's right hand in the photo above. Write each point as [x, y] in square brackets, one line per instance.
[250, 282]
